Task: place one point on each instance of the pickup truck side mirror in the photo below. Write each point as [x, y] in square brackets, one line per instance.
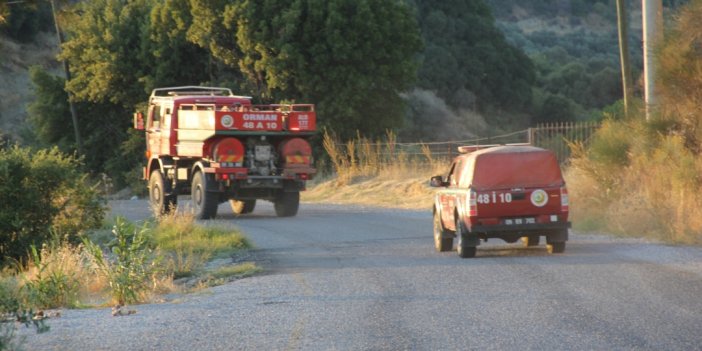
[437, 182]
[138, 121]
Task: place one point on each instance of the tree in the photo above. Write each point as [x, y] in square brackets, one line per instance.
[464, 50]
[173, 59]
[104, 127]
[350, 57]
[103, 43]
[556, 108]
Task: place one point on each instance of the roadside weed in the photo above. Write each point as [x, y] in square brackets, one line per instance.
[134, 263]
[53, 277]
[189, 246]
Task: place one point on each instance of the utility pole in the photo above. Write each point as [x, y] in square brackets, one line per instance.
[652, 13]
[67, 71]
[623, 29]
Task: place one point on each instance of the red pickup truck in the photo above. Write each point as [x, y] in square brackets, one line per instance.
[507, 192]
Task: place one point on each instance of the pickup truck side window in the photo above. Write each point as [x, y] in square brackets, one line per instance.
[450, 176]
[467, 174]
[454, 174]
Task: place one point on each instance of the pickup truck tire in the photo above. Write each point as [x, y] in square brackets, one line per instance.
[286, 204]
[556, 248]
[242, 206]
[204, 202]
[161, 203]
[464, 251]
[531, 240]
[442, 242]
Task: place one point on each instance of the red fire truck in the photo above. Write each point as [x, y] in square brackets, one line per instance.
[218, 146]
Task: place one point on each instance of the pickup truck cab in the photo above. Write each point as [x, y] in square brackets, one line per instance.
[507, 192]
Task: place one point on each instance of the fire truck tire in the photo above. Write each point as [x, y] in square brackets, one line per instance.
[464, 251]
[287, 203]
[204, 202]
[556, 248]
[161, 203]
[442, 241]
[243, 206]
[531, 240]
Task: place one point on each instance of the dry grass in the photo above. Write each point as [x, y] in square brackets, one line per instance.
[58, 275]
[376, 173]
[653, 191]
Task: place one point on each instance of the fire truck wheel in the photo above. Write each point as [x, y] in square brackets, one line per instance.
[204, 202]
[287, 203]
[441, 240]
[464, 251]
[531, 240]
[556, 248]
[242, 207]
[161, 203]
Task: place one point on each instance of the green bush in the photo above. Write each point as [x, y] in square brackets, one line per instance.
[43, 192]
[132, 265]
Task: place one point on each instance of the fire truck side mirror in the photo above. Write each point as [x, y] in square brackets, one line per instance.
[138, 121]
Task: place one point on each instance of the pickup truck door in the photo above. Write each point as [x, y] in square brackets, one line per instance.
[447, 198]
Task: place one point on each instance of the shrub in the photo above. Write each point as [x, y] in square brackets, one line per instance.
[133, 264]
[41, 192]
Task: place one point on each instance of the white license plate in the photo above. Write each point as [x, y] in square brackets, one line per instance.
[518, 221]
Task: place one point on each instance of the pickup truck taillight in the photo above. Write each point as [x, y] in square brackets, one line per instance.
[473, 204]
[564, 199]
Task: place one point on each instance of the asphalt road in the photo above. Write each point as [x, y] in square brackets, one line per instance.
[361, 278]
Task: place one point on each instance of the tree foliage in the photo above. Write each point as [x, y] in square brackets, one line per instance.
[104, 37]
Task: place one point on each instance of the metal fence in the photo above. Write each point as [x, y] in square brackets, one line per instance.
[552, 136]
[558, 136]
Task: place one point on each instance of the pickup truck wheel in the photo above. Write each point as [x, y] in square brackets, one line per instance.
[160, 202]
[531, 240]
[556, 248]
[286, 204]
[243, 206]
[441, 240]
[204, 202]
[464, 251]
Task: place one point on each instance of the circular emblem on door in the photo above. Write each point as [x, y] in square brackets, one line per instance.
[539, 198]
[227, 121]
